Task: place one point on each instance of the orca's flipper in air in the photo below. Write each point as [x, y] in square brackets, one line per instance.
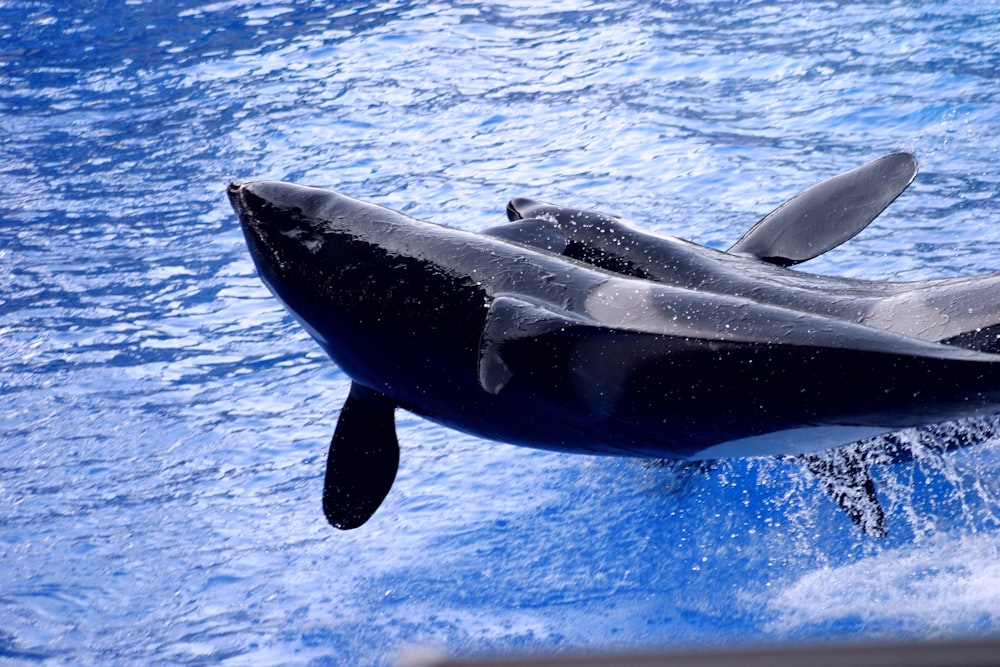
[825, 215]
[363, 459]
[844, 476]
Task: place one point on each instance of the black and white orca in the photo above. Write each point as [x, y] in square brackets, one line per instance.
[572, 331]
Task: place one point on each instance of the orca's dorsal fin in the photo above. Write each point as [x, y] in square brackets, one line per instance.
[844, 476]
[829, 213]
[534, 232]
[363, 459]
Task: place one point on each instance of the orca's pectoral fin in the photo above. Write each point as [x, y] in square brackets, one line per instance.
[363, 459]
[844, 476]
[534, 232]
[512, 320]
[829, 213]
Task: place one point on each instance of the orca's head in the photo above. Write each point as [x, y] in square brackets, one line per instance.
[314, 249]
[380, 291]
[286, 223]
[295, 231]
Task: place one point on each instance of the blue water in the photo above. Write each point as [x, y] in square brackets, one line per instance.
[163, 422]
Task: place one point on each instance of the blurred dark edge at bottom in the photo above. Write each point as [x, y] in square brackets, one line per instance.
[951, 653]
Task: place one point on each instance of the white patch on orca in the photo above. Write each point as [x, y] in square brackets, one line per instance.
[650, 308]
[909, 316]
[803, 440]
[629, 304]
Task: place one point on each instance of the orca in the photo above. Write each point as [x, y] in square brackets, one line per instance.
[572, 331]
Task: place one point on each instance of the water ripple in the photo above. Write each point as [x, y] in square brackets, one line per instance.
[164, 423]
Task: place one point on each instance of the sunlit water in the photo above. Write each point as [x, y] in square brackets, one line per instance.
[163, 422]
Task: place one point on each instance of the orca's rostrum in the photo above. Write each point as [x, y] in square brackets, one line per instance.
[570, 330]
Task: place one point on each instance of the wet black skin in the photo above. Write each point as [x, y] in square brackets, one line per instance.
[967, 306]
[400, 304]
[499, 339]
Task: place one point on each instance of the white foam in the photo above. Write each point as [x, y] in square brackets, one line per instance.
[944, 584]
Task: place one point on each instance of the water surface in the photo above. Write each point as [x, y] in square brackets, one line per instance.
[164, 423]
